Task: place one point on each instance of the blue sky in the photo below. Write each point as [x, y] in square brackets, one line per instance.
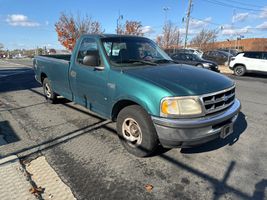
[30, 23]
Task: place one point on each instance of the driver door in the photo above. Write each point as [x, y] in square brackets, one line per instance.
[89, 84]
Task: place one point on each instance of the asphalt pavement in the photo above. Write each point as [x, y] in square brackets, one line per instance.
[86, 154]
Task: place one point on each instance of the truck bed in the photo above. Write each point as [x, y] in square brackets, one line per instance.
[56, 67]
[58, 56]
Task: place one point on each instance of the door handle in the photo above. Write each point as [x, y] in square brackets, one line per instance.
[73, 74]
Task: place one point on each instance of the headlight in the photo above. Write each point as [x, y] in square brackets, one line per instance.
[206, 64]
[181, 106]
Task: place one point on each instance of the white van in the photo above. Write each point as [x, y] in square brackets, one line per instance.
[250, 61]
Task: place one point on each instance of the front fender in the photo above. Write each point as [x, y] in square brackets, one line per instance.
[133, 99]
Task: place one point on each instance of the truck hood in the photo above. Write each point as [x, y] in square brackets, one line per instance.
[182, 80]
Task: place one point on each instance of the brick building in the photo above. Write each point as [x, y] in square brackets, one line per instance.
[248, 44]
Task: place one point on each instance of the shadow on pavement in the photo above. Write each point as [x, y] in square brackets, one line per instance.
[256, 75]
[8, 133]
[251, 77]
[20, 81]
[239, 128]
[259, 192]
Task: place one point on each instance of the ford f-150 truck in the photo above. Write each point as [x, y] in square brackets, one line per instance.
[153, 100]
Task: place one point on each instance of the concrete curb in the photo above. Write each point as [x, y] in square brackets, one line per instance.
[8, 159]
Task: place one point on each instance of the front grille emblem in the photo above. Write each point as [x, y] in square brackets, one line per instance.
[225, 98]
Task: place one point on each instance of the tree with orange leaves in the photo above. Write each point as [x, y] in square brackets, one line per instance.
[131, 28]
[69, 29]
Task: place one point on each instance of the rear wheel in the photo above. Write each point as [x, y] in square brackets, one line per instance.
[239, 70]
[50, 95]
[136, 131]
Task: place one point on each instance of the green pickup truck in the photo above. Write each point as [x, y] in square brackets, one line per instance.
[153, 100]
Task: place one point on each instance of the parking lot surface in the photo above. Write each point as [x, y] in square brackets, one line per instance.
[85, 152]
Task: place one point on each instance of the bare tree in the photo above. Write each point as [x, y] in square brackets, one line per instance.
[1, 46]
[130, 28]
[69, 28]
[204, 39]
[170, 37]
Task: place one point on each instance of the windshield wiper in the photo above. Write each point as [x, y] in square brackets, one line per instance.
[164, 61]
[139, 61]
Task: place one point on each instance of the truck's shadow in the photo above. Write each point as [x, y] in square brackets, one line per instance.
[20, 81]
[239, 128]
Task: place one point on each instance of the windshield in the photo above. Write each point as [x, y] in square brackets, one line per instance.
[133, 51]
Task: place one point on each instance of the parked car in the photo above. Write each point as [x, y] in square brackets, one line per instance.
[220, 57]
[188, 50]
[249, 62]
[3, 55]
[192, 59]
[152, 99]
[233, 52]
[195, 51]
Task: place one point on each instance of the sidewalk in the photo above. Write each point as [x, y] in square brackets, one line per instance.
[31, 180]
[14, 183]
[37, 180]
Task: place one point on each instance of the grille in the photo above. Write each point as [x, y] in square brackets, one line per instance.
[218, 101]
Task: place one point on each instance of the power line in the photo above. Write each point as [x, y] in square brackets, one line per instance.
[215, 2]
[246, 4]
[208, 22]
[235, 27]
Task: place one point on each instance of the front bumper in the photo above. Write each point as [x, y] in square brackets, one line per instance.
[214, 68]
[190, 132]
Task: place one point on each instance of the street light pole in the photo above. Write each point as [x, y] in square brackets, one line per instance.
[118, 21]
[166, 9]
[187, 22]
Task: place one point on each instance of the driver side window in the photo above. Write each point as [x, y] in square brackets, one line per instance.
[88, 47]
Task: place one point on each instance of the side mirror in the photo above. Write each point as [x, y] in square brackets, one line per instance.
[91, 60]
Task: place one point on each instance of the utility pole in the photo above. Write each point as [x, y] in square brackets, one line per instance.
[187, 22]
[178, 41]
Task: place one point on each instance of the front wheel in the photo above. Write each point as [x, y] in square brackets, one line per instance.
[239, 70]
[50, 95]
[136, 131]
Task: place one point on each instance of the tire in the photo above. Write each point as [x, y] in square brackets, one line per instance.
[239, 70]
[50, 95]
[141, 138]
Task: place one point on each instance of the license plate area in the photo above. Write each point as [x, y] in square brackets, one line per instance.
[227, 130]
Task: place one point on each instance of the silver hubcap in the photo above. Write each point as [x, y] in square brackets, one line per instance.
[131, 132]
[239, 70]
[47, 91]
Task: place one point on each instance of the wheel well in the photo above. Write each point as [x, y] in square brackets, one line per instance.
[119, 106]
[43, 76]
